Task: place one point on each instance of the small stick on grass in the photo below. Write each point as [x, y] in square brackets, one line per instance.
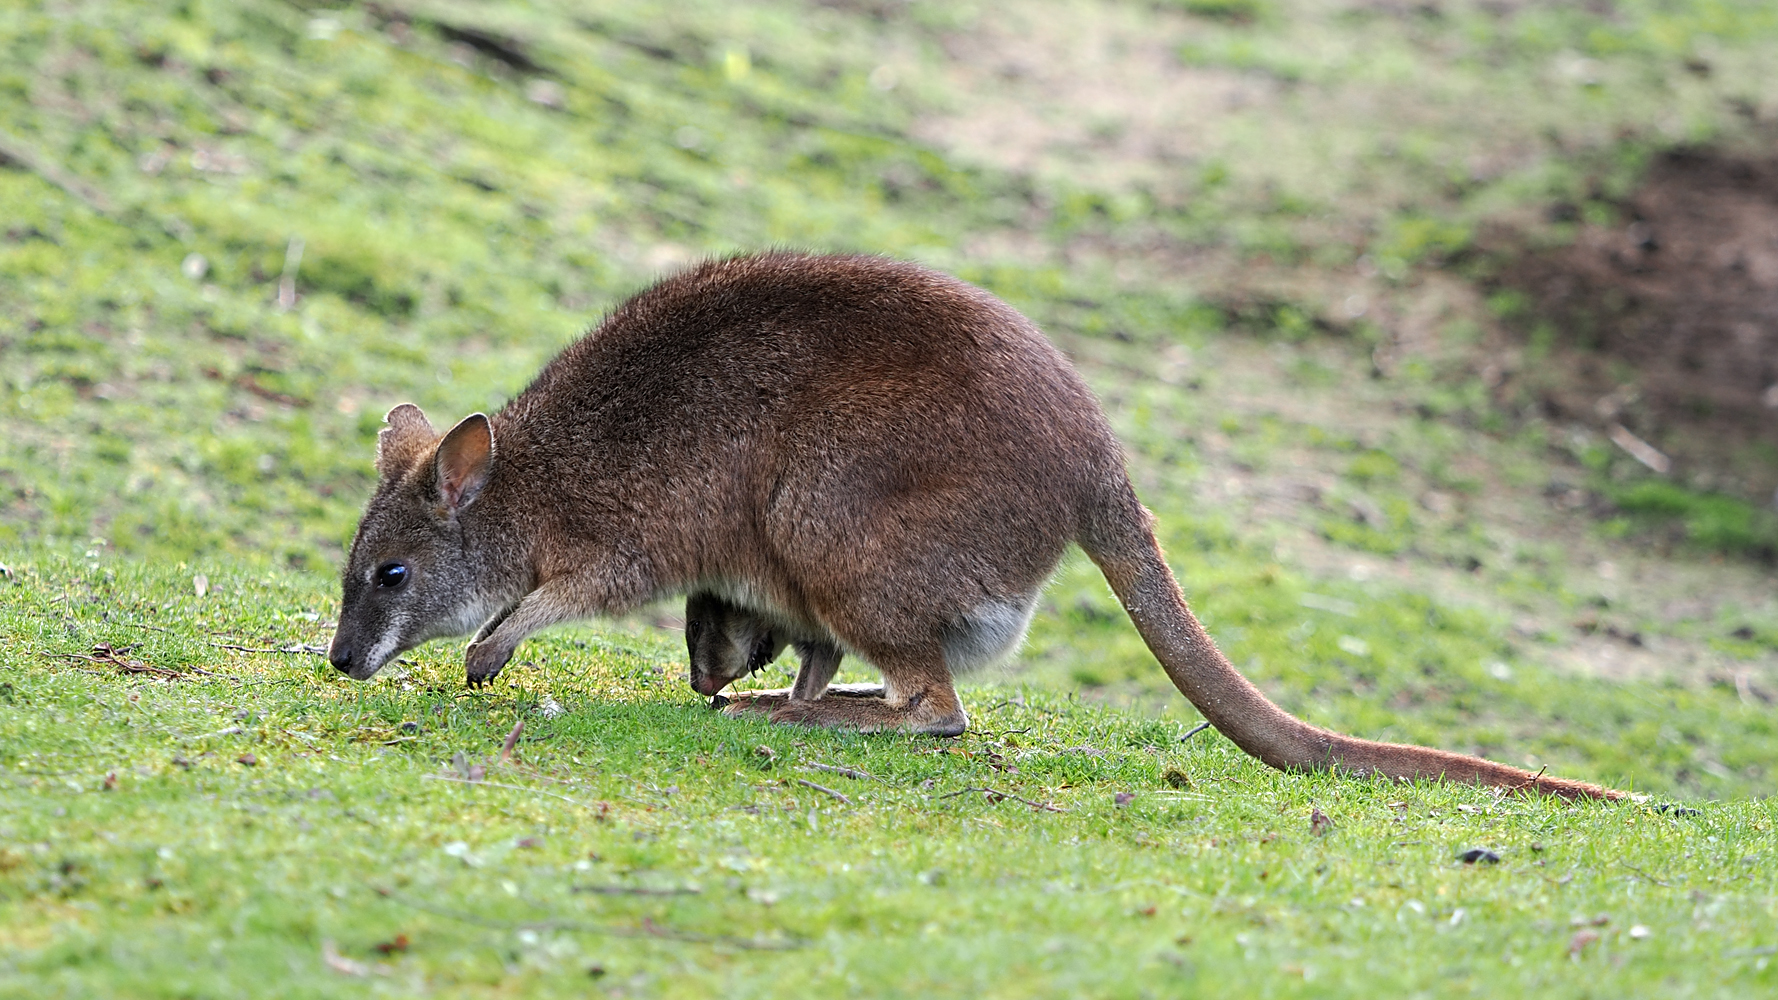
[850, 772]
[16, 150]
[996, 795]
[1195, 730]
[635, 890]
[823, 789]
[126, 665]
[501, 784]
[298, 649]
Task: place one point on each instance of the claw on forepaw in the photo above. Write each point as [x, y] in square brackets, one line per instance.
[482, 663]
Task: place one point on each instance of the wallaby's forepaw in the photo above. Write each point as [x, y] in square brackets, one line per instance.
[482, 662]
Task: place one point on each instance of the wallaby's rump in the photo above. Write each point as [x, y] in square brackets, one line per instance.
[871, 457]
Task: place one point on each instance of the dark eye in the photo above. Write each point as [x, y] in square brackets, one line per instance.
[391, 576]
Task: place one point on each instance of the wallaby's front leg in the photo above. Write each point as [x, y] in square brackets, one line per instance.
[821, 660]
[495, 642]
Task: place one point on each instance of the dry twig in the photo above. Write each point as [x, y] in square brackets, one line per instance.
[16, 150]
[995, 795]
[850, 772]
[823, 789]
[501, 784]
[635, 890]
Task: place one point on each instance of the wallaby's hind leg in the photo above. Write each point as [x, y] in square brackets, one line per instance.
[821, 660]
[918, 697]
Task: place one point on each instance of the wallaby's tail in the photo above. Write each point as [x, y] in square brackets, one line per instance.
[1118, 535]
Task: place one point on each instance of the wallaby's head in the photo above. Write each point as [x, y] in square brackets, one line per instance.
[725, 643]
[410, 576]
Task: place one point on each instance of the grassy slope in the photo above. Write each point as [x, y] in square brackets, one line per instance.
[141, 859]
[151, 414]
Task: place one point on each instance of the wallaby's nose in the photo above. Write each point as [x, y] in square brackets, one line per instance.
[340, 655]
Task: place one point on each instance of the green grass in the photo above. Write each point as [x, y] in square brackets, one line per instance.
[138, 857]
[461, 217]
[1710, 521]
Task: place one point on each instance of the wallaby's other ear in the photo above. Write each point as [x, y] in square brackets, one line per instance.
[465, 457]
[408, 436]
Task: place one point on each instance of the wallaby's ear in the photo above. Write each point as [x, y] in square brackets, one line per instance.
[408, 436]
[465, 457]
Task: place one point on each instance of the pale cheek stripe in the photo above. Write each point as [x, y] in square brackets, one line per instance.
[385, 647]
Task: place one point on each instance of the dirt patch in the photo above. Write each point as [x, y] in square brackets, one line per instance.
[1093, 94]
[1668, 321]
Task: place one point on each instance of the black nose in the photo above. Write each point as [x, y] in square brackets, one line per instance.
[340, 656]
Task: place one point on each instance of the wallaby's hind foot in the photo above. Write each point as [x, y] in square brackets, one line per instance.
[934, 713]
[739, 703]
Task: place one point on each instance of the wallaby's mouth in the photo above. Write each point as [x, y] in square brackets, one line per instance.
[709, 684]
[355, 660]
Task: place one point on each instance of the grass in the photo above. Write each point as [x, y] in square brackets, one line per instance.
[642, 844]
[454, 192]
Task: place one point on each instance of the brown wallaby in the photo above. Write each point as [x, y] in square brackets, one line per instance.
[726, 643]
[862, 453]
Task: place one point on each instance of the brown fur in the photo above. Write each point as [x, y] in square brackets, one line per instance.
[866, 453]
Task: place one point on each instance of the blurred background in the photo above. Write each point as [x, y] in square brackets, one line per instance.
[1443, 335]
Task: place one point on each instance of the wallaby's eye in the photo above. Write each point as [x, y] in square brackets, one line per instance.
[391, 575]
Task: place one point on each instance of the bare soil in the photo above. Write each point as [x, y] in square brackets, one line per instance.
[1668, 321]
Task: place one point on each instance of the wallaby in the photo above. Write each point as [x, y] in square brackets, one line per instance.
[866, 453]
[725, 643]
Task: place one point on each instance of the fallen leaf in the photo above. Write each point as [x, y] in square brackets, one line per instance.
[1578, 943]
[247, 759]
[395, 944]
[512, 740]
[1123, 799]
[1319, 822]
